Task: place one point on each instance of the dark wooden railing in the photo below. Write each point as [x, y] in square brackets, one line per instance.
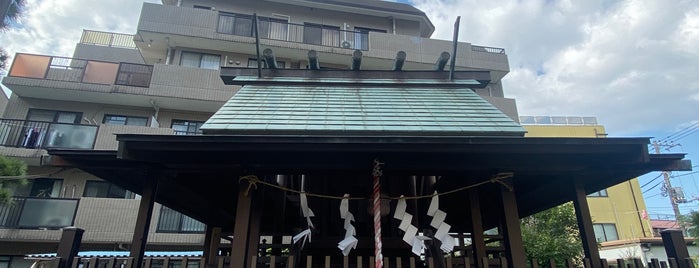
[344, 262]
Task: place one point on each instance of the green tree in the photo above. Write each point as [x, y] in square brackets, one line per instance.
[552, 234]
[11, 171]
[691, 223]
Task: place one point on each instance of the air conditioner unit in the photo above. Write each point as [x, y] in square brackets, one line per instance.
[346, 44]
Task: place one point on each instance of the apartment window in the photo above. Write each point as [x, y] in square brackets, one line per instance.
[54, 116]
[105, 189]
[361, 37]
[171, 221]
[40, 187]
[237, 24]
[321, 34]
[600, 193]
[124, 120]
[5, 261]
[185, 127]
[252, 63]
[272, 28]
[200, 60]
[605, 232]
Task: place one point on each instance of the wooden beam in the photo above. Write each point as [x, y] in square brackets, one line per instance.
[145, 212]
[511, 229]
[675, 246]
[477, 238]
[587, 233]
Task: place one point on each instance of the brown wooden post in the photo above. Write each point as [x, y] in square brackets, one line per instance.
[212, 241]
[512, 232]
[239, 246]
[620, 263]
[145, 212]
[477, 238]
[675, 246]
[654, 263]
[254, 228]
[587, 234]
[69, 245]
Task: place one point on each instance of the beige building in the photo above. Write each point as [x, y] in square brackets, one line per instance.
[164, 79]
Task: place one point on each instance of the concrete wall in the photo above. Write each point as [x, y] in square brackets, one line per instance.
[104, 53]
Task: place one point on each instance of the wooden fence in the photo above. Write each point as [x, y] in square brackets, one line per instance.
[344, 262]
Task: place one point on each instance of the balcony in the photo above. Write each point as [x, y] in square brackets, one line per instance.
[161, 25]
[107, 39]
[79, 70]
[41, 135]
[38, 213]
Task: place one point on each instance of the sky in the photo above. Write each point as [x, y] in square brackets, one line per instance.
[633, 64]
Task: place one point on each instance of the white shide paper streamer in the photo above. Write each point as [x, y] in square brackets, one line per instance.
[350, 241]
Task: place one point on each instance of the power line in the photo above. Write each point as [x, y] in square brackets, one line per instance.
[690, 173]
[691, 128]
[649, 182]
[651, 188]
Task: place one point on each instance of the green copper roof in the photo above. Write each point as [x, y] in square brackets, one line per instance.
[350, 110]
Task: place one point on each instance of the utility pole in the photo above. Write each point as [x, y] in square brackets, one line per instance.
[670, 191]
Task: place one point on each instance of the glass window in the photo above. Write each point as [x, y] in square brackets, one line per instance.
[111, 119]
[185, 127]
[48, 213]
[54, 116]
[171, 221]
[105, 189]
[600, 193]
[361, 37]
[312, 33]
[605, 232]
[200, 60]
[271, 28]
[40, 187]
[5, 261]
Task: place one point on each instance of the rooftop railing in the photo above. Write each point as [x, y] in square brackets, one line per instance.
[38, 213]
[558, 120]
[82, 71]
[107, 39]
[495, 50]
[41, 135]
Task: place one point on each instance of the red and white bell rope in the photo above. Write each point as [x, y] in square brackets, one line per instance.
[378, 257]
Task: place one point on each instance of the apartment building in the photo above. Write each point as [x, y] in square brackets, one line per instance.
[164, 79]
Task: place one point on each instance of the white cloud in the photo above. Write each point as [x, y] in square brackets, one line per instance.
[53, 27]
[631, 63]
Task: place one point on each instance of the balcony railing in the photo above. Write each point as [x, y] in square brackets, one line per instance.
[35, 213]
[495, 50]
[276, 29]
[107, 39]
[558, 120]
[79, 70]
[39, 135]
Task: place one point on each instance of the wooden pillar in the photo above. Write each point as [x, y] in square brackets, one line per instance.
[675, 246]
[254, 229]
[477, 238]
[512, 232]
[69, 246]
[587, 233]
[145, 212]
[239, 246]
[212, 241]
